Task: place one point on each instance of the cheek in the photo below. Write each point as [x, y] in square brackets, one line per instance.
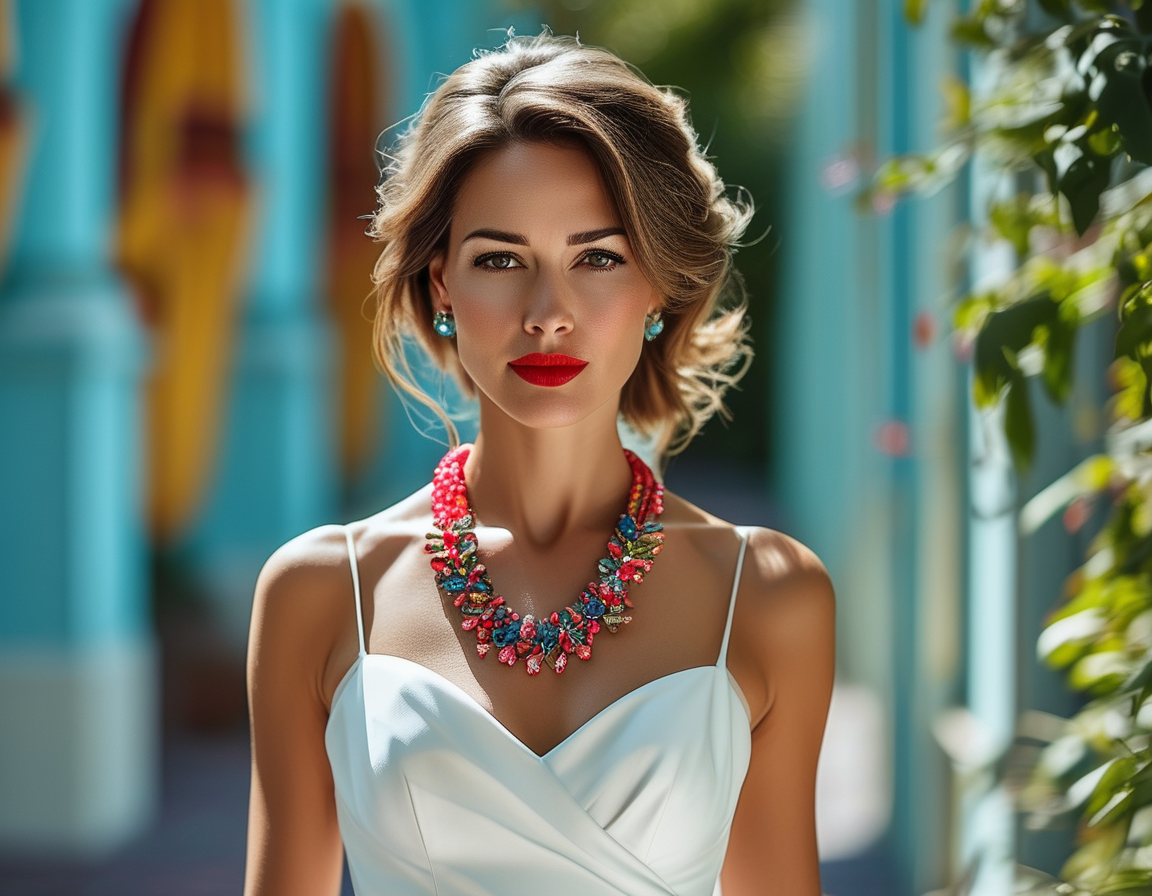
[617, 324]
[485, 311]
[619, 309]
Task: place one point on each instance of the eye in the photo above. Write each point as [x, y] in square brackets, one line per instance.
[496, 261]
[601, 259]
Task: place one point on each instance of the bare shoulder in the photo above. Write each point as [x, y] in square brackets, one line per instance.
[788, 607]
[782, 571]
[303, 605]
[294, 608]
[316, 563]
[303, 562]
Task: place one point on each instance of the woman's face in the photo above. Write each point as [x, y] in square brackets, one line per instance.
[548, 299]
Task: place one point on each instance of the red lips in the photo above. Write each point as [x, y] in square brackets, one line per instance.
[553, 369]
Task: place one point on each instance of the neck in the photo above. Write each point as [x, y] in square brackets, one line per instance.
[545, 484]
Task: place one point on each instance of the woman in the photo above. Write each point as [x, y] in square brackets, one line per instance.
[553, 236]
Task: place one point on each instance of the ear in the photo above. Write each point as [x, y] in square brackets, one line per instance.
[440, 300]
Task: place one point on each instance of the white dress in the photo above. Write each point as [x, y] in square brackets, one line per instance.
[436, 798]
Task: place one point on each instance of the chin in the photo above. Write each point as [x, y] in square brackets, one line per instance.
[547, 413]
[543, 408]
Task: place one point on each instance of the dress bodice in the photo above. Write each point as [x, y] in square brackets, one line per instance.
[435, 796]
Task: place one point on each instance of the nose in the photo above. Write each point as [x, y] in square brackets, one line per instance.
[550, 307]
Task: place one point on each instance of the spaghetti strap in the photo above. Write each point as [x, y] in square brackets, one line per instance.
[723, 660]
[355, 587]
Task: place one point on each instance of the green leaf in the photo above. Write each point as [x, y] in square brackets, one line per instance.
[1010, 328]
[1134, 334]
[971, 32]
[1118, 85]
[1116, 778]
[1105, 141]
[1081, 176]
[1129, 882]
[1095, 854]
[957, 103]
[1140, 681]
[1132, 387]
[1064, 640]
[1060, 9]
[1045, 159]
[1100, 673]
[1058, 360]
[1119, 806]
[1018, 424]
[914, 10]
[1013, 220]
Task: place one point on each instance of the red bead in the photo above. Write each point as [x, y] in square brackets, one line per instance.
[454, 551]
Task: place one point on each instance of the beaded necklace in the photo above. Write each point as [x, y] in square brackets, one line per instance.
[637, 539]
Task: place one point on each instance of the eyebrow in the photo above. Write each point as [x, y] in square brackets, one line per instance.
[501, 236]
[575, 239]
[590, 236]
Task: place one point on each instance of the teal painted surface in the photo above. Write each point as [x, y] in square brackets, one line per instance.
[820, 407]
[71, 352]
[67, 66]
[274, 474]
[288, 42]
[911, 63]
[846, 365]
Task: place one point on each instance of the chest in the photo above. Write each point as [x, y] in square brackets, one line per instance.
[678, 619]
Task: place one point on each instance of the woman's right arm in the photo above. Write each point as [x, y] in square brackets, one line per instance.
[294, 844]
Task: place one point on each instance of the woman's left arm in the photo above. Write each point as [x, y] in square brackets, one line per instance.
[790, 615]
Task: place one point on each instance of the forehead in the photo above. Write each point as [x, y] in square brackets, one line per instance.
[534, 188]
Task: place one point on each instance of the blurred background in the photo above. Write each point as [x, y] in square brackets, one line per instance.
[186, 383]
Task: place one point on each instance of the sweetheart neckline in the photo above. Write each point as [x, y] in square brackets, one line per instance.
[733, 686]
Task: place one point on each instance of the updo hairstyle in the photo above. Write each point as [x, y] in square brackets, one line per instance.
[679, 222]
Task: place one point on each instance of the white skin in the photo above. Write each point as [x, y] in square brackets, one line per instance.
[548, 479]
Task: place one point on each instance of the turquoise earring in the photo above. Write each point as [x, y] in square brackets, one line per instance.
[444, 323]
[653, 326]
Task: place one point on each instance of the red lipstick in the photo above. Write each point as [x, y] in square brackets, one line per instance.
[547, 370]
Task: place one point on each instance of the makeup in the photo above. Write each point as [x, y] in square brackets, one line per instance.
[553, 369]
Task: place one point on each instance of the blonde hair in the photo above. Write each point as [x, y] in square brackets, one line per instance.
[680, 223]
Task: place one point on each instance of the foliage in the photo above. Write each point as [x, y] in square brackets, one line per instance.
[1066, 115]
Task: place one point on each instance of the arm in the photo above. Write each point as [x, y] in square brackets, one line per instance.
[772, 849]
[294, 844]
